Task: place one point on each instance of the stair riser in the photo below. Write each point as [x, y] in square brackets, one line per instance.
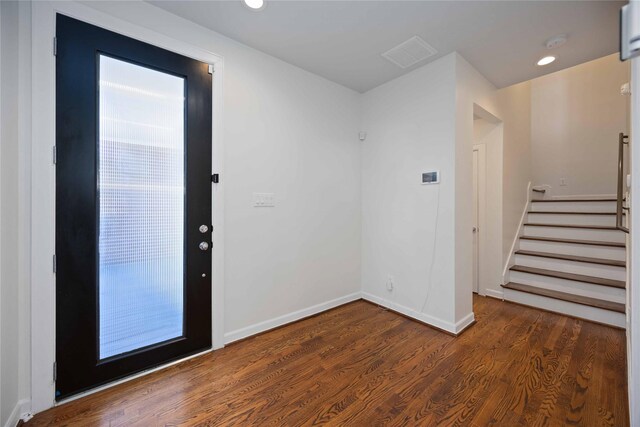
[574, 206]
[592, 251]
[607, 220]
[566, 266]
[575, 233]
[576, 310]
[606, 293]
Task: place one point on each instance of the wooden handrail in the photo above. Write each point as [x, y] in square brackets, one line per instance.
[622, 141]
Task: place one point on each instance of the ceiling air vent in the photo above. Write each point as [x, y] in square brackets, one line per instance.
[410, 52]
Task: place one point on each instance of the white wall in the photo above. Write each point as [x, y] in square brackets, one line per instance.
[471, 89]
[408, 228]
[292, 133]
[425, 120]
[576, 115]
[286, 131]
[515, 110]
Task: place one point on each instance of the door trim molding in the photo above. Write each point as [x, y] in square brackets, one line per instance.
[42, 243]
[482, 214]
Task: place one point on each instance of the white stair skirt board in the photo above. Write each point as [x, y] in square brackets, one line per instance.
[566, 266]
[574, 206]
[516, 238]
[257, 328]
[593, 251]
[575, 233]
[569, 219]
[607, 293]
[454, 328]
[569, 308]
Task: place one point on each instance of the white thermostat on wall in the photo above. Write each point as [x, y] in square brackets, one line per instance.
[432, 177]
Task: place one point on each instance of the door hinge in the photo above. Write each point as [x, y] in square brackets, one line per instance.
[215, 178]
[210, 69]
[55, 46]
[55, 264]
[54, 155]
[55, 371]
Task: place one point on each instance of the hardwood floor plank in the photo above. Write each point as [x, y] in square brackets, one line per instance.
[360, 365]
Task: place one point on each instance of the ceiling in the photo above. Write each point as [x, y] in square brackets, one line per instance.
[343, 40]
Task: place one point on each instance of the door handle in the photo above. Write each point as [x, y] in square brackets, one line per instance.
[475, 229]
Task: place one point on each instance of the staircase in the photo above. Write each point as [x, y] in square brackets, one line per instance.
[571, 259]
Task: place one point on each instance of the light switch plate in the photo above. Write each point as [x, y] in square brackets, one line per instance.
[264, 200]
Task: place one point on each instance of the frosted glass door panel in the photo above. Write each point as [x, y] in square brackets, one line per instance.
[141, 187]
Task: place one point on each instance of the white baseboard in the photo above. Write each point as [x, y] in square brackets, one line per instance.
[463, 323]
[453, 328]
[494, 294]
[257, 328]
[22, 411]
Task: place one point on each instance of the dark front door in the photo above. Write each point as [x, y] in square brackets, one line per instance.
[133, 206]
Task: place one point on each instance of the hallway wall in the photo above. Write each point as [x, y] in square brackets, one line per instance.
[515, 111]
[576, 115]
[407, 227]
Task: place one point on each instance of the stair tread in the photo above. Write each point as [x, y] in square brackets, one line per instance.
[576, 258]
[564, 296]
[574, 200]
[591, 227]
[570, 213]
[575, 241]
[570, 276]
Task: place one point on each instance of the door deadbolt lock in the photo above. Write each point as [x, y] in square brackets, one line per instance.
[203, 246]
[203, 229]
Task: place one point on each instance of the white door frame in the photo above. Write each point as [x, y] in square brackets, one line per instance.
[43, 181]
[482, 213]
[633, 318]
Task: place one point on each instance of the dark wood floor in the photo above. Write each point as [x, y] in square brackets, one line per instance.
[359, 365]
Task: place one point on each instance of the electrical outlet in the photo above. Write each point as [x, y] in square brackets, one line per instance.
[390, 283]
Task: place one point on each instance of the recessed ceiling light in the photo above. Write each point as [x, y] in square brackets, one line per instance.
[546, 60]
[254, 4]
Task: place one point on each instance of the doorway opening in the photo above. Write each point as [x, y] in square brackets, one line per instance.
[487, 202]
